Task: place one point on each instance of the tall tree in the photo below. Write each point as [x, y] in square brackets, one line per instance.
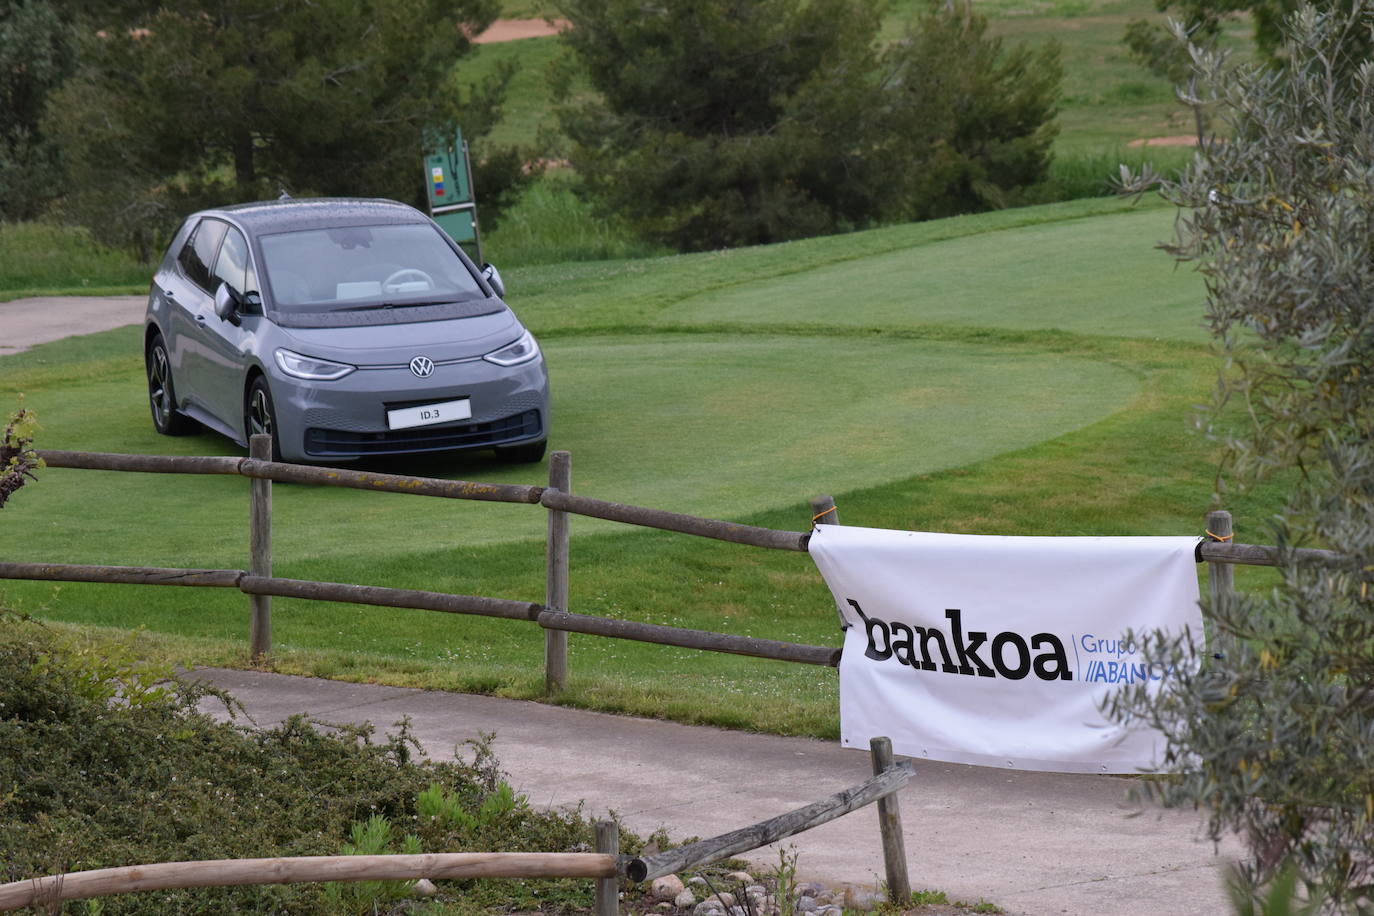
[732, 122]
[35, 57]
[1202, 20]
[197, 101]
[973, 121]
[1271, 732]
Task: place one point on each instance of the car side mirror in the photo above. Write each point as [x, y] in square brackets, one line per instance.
[226, 304]
[492, 276]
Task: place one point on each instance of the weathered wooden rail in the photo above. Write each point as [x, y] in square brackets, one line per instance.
[101, 882]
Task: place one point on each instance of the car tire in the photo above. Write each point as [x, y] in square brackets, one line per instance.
[260, 414]
[162, 398]
[529, 453]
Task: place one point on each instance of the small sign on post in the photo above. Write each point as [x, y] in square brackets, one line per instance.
[448, 185]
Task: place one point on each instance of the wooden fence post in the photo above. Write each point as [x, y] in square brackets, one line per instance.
[823, 511]
[890, 824]
[607, 889]
[556, 581]
[1221, 577]
[260, 550]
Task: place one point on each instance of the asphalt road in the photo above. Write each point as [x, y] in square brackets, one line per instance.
[26, 322]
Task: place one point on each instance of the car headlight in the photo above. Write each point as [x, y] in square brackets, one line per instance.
[513, 354]
[306, 367]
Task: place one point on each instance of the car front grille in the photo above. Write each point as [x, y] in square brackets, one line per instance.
[325, 442]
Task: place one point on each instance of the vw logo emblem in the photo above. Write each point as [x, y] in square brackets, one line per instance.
[422, 366]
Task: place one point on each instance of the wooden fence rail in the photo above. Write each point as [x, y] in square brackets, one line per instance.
[549, 498]
[100, 882]
[445, 602]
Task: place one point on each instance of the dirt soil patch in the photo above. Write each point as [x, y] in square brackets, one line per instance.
[1179, 140]
[515, 29]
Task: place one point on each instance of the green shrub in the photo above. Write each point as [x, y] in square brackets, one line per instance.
[106, 761]
[721, 123]
[1270, 728]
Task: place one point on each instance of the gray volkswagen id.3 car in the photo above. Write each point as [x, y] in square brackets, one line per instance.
[346, 329]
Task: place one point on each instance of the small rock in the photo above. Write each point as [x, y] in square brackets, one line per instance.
[666, 907]
[706, 907]
[740, 877]
[685, 900]
[807, 905]
[755, 890]
[697, 881]
[424, 888]
[666, 888]
[724, 899]
[858, 898]
[810, 889]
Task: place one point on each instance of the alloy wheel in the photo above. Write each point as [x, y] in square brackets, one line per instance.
[158, 393]
[260, 412]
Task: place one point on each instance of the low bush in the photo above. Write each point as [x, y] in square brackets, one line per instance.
[108, 761]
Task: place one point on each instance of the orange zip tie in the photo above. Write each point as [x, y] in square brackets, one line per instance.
[1220, 537]
[820, 514]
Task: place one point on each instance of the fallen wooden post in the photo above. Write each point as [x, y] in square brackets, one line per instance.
[704, 852]
[101, 882]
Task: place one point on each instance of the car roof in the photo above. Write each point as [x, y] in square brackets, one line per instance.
[265, 217]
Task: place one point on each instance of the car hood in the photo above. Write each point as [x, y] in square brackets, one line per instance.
[396, 344]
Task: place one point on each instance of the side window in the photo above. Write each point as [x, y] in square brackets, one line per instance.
[231, 266]
[199, 251]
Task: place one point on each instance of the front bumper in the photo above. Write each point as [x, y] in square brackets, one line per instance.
[348, 418]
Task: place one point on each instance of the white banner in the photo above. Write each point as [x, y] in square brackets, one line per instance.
[999, 651]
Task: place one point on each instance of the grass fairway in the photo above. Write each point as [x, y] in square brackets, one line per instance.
[735, 384]
[1081, 276]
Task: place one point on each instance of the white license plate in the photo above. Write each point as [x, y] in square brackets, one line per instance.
[443, 412]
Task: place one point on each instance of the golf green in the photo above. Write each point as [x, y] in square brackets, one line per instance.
[1099, 276]
[709, 424]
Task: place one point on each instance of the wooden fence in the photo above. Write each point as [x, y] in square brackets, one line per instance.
[1218, 550]
[553, 615]
[606, 865]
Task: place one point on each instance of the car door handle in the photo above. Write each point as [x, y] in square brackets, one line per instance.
[200, 318]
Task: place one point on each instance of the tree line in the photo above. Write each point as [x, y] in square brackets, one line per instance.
[707, 123]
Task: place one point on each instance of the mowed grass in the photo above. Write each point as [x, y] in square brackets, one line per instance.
[1001, 425]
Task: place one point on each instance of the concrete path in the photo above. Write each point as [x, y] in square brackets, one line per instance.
[1034, 843]
[25, 322]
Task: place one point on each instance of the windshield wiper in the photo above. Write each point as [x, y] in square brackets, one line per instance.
[395, 305]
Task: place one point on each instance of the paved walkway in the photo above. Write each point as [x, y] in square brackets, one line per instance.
[1035, 843]
[26, 322]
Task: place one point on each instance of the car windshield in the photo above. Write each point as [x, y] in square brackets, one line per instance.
[361, 268]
